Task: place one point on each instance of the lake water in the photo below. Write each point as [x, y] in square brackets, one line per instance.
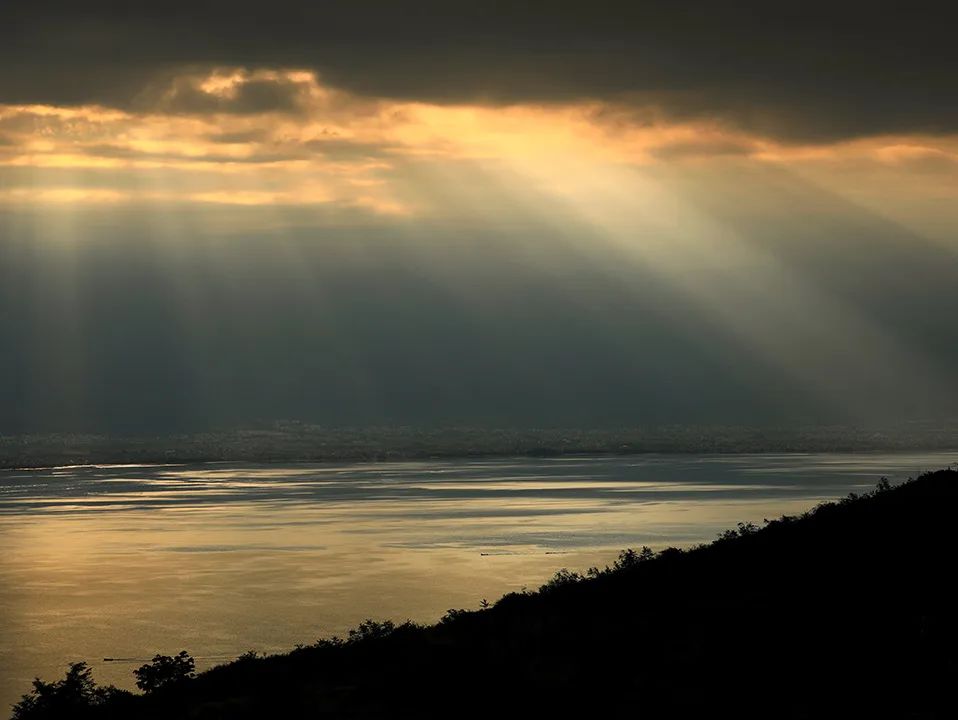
[127, 561]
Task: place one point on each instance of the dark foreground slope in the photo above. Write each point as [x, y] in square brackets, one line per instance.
[847, 611]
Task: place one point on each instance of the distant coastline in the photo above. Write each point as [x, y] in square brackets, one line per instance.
[301, 443]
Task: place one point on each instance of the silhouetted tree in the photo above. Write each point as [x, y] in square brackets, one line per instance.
[371, 629]
[452, 614]
[165, 671]
[630, 558]
[562, 577]
[69, 697]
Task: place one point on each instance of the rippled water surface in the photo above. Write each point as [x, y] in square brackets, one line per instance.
[126, 561]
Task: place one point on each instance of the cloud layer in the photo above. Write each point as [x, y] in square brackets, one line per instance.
[282, 137]
[813, 70]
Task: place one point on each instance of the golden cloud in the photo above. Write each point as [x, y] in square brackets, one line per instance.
[277, 137]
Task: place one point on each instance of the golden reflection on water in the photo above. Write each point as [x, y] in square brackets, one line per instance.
[124, 562]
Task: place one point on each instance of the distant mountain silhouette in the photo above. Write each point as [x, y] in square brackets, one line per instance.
[847, 611]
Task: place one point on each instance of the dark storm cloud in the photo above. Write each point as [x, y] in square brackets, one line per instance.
[796, 70]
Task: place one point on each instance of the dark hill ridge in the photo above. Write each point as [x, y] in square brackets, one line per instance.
[846, 611]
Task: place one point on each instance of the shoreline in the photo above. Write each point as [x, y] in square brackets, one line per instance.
[338, 459]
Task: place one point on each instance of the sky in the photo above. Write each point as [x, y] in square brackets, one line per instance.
[514, 214]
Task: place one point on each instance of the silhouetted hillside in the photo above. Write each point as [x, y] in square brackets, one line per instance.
[846, 611]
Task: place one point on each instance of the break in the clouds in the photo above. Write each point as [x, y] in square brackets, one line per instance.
[805, 71]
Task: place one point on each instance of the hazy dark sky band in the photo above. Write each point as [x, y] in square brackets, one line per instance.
[795, 71]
